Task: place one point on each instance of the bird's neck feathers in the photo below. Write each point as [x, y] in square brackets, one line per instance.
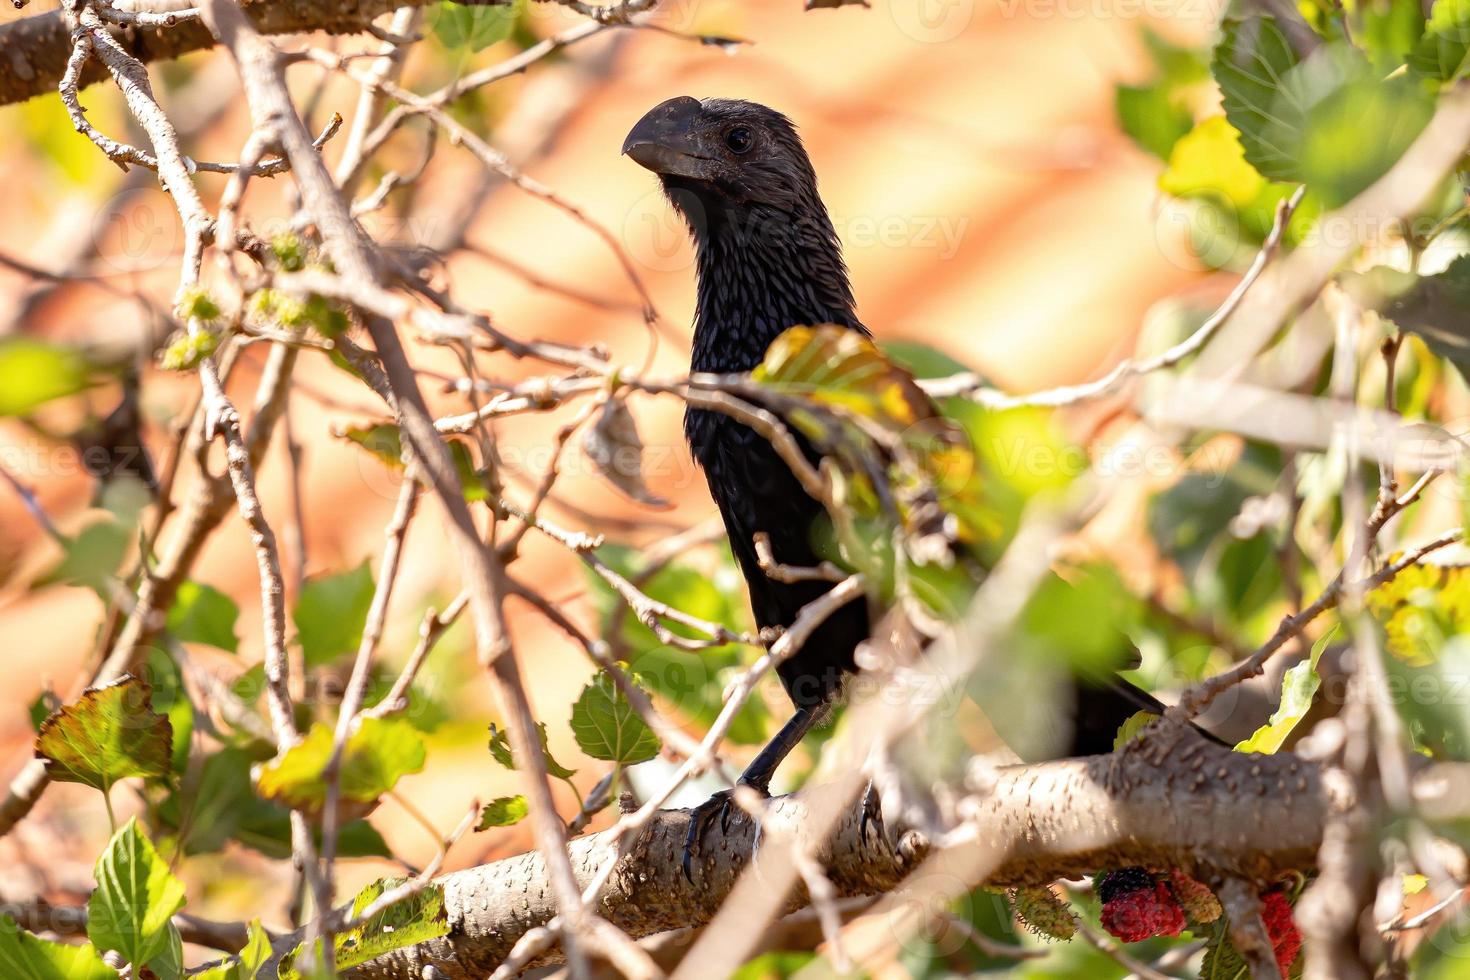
[762, 270]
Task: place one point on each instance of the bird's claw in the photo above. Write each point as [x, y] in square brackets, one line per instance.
[872, 814]
[720, 805]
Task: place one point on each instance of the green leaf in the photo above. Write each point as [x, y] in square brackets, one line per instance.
[171, 698]
[1388, 30]
[109, 733]
[1222, 960]
[92, 556]
[257, 950]
[1437, 307]
[330, 613]
[606, 726]
[27, 957]
[1251, 65]
[385, 442]
[1298, 687]
[221, 805]
[1151, 116]
[33, 373]
[503, 811]
[416, 919]
[474, 27]
[1157, 114]
[374, 757]
[169, 962]
[203, 614]
[1443, 52]
[500, 751]
[1330, 121]
[135, 897]
[1358, 130]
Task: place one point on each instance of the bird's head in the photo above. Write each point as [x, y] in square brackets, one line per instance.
[726, 151]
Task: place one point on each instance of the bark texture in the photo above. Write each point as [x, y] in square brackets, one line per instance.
[33, 51]
[1168, 801]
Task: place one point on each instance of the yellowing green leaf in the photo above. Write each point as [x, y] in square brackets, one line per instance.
[1298, 687]
[606, 726]
[375, 755]
[1422, 607]
[33, 373]
[135, 897]
[1133, 727]
[503, 812]
[416, 919]
[109, 733]
[1210, 161]
[27, 957]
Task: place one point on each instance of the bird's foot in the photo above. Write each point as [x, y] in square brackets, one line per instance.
[720, 806]
[872, 815]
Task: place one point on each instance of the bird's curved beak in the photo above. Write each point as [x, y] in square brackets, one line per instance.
[664, 140]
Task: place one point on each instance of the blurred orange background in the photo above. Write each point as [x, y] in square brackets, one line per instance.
[988, 204]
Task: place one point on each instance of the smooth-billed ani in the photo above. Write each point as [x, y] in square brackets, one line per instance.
[769, 259]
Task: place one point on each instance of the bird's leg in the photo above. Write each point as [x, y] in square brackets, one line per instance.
[757, 776]
[872, 814]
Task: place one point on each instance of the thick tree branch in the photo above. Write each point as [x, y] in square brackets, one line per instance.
[1171, 800]
[34, 51]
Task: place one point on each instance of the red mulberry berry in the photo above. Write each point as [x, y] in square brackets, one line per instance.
[1143, 913]
[1286, 941]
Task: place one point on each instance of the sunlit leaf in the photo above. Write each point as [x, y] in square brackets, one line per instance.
[24, 956]
[503, 811]
[1133, 727]
[1421, 608]
[386, 443]
[606, 726]
[1298, 687]
[109, 733]
[203, 614]
[416, 919]
[136, 895]
[377, 753]
[500, 751]
[33, 373]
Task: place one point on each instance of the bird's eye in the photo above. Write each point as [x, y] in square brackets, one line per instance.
[739, 139]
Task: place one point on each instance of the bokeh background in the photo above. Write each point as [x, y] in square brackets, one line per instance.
[989, 205]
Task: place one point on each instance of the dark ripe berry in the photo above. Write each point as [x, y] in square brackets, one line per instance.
[1143, 913]
[1111, 884]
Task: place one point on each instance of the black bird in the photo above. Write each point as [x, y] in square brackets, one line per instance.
[769, 259]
